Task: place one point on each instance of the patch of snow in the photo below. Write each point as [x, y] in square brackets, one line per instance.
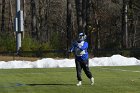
[115, 60]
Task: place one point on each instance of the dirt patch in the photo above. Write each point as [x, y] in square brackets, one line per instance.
[10, 58]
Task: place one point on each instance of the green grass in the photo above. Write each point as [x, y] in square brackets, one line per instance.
[63, 80]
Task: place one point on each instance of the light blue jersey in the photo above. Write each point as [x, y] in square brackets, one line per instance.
[80, 50]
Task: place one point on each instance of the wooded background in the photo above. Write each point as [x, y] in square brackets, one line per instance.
[55, 24]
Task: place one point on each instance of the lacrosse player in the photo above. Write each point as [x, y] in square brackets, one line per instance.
[81, 58]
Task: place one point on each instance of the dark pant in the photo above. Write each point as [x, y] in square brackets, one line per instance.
[80, 64]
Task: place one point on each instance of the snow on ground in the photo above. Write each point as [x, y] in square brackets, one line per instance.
[115, 60]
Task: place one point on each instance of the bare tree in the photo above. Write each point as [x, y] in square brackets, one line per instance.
[84, 14]
[10, 16]
[69, 22]
[24, 8]
[24, 14]
[136, 38]
[79, 15]
[33, 19]
[3, 16]
[97, 24]
[47, 12]
[125, 24]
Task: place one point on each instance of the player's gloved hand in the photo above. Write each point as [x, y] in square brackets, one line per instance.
[69, 51]
[75, 44]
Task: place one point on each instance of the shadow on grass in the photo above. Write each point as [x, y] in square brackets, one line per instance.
[50, 84]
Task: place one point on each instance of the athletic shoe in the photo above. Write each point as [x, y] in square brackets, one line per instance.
[79, 83]
[92, 81]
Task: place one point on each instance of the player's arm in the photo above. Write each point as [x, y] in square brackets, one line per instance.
[73, 47]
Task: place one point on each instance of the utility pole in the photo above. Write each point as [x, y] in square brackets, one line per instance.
[19, 27]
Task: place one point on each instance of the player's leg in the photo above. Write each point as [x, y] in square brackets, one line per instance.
[85, 66]
[78, 70]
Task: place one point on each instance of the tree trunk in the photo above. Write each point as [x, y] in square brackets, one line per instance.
[125, 25]
[24, 16]
[69, 24]
[132, 30]
[69, 21]
[135, 32]
[10, 16]
[84, 15]
[24, 9]
[79, 15]
[87, 23]
[33, 19]
[97, 43]
[46, 19]
[3, 16]
[47, 7]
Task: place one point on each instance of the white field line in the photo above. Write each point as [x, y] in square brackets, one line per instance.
[121, 70]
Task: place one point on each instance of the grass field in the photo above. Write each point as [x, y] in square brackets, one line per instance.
[63, 80]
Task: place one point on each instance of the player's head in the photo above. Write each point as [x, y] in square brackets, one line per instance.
[81, 37]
